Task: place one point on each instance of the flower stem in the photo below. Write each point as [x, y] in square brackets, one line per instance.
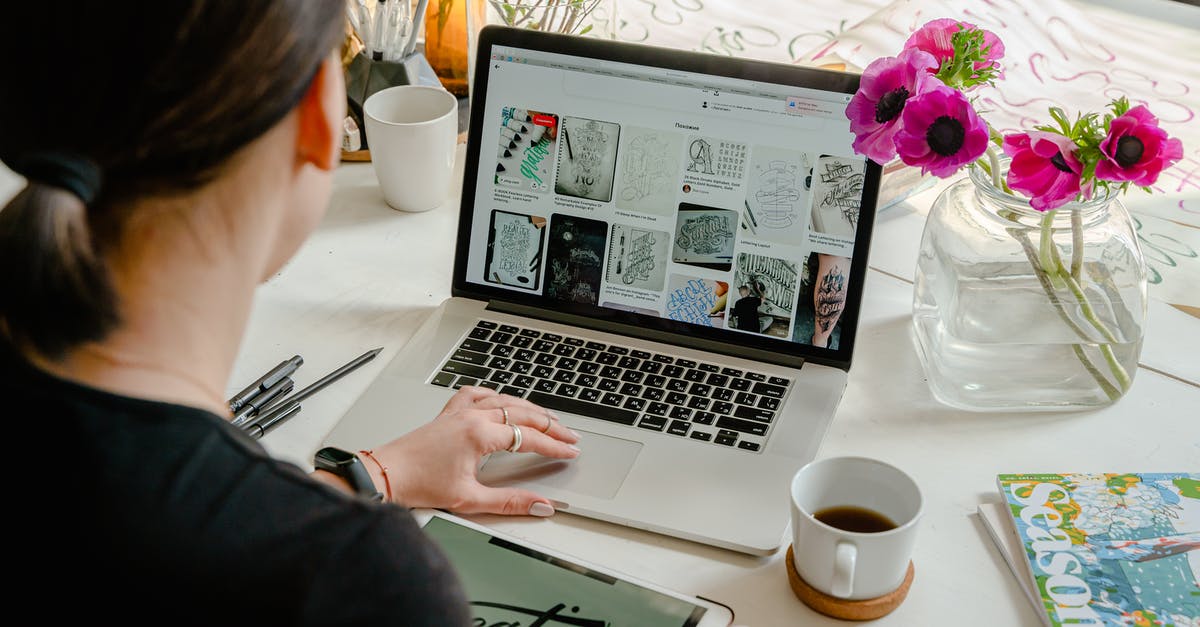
[1111, 392]
[995, 162]
[1046, 250]
[1043, 275]
[1059, 277]
[1090, 315]
[1076, 245]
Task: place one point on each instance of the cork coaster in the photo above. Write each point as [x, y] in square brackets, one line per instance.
[863, 609]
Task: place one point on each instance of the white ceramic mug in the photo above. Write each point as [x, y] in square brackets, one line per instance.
[847, 564]
[412, 131]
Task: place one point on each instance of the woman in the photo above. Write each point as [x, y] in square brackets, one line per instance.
[176, 154]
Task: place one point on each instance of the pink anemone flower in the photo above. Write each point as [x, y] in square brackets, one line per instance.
[940, 132]
[1044, 167]
[936, 38]
[886, 85]
[1137, 149]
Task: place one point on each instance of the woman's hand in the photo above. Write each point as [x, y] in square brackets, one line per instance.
[436, 464]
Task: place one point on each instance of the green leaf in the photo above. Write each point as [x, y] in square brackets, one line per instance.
[1120, 106]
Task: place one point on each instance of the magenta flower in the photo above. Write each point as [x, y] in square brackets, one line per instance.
[940, 131]
[886, 85]
[936, 38]
[1044, 167]
[1136, 149]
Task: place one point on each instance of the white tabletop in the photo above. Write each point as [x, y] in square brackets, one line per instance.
[370, 274]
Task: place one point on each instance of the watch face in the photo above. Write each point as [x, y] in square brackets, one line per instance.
[335, 456]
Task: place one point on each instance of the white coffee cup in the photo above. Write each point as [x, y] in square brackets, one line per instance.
[412, 131]
[853, 565]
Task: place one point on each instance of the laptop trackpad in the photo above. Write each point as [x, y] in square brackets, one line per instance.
[598, 472]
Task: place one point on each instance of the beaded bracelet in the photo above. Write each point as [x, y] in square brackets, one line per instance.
[387, 484]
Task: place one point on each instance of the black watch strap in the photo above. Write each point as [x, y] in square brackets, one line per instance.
[348, 466]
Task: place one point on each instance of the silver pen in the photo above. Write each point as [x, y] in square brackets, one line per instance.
[258, 403]
[273, 376]
[272, 419]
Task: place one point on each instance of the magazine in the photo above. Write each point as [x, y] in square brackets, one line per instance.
[1103, 549]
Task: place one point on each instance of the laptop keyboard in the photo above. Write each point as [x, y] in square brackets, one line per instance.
[683, 397]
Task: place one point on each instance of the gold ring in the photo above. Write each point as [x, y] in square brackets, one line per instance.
[504, 411]
[516, 443]
[549, 423]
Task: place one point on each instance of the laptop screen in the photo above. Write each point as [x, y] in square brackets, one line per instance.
[696, 196]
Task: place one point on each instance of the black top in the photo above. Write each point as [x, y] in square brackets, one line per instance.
[147, 512]
[746, 312]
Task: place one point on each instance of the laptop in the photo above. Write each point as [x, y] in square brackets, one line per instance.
[666, 248]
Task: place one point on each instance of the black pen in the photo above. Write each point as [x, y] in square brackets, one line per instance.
[324, 381]
[268, 396]
[273, 376]
[272, 418]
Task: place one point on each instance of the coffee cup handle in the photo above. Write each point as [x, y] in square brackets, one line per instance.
[843, 569]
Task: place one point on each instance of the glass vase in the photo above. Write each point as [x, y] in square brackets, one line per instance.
[447, 43]
[1019, 310]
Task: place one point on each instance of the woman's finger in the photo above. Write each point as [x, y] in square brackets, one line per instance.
[467, 396]
[507, 501]
[533, 417]
[546, 445]
[524, 439]
[504, 400]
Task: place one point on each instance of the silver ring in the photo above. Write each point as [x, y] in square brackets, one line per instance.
[516, 443]
[549, 423]
[504, 410]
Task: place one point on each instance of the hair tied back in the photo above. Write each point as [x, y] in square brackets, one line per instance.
[65, 170]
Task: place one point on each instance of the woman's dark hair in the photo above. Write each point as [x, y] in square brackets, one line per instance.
[108, 102]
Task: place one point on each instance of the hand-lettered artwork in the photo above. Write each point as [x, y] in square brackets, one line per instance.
[514, 251]
[649, 170]
[837, 195]
[637, 257]
[525, 155]
[716, 157]
[704, 236]
[696, 301]
[777, 198]
[575, 258]
[587, 158]
[764, 294]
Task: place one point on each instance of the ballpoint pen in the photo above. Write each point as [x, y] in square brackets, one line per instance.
[320, 383]
[256, 404]
[271, 419]
[273, 376]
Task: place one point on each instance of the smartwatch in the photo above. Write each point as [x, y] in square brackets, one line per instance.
[347, 466]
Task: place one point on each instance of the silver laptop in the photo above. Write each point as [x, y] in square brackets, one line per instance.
[666, 248]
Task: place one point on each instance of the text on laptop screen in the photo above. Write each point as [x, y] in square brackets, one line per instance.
[722, 203]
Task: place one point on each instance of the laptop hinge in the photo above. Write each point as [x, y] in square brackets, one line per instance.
[654, 335]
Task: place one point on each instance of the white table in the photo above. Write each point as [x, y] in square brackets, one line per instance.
[369, 275]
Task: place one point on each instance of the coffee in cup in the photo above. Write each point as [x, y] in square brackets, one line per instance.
[854, 526]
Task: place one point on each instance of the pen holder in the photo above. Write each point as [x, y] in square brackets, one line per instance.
[364, 77]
